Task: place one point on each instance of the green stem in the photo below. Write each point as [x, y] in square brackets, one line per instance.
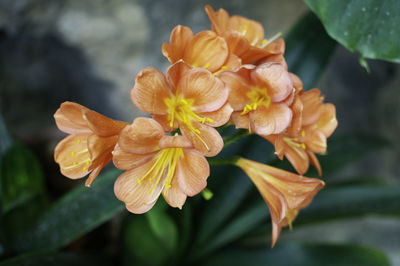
[231, 139]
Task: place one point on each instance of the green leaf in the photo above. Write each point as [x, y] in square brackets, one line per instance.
[21, 177]
[343, 150]
[59, 259]
[75, 214]
[369, 27]
[309, 50]
[352, 202]
[163, 228]
[301, 255]
[149, 239]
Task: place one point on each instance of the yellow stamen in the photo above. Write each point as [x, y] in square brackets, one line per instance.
[273, 38]
[166, 160]
[290, 215]
[207, 65]
[258, 97]
[73, 154]
[244, 31]
[181, 110]
[223, 68]
[303, 133]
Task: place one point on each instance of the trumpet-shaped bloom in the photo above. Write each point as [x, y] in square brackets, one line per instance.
[88, 148]
[205, 49]
[191, 99]
[156, 163]
[285, 193]
[315, 122]
[245, 37]
[258, 97]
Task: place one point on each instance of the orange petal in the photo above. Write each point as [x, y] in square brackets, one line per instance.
[250, 29]
[96, 171]
[179, 39]
[297, 83]
[136, 195]
[192, 172]
[298, 158]
[141, 137]
[315, 141]
[174, 195]
[150, 90]
[176, 141]
[98, 146]
[208, 92]
[206, 50]
[101, 125]
[276, 58]
[327, 122]
[279, 145]
[239, 88]
[232, 63]
[219, 117]
[73, 156]
[272, 120]
[165, 123]
[282, 191]
[125, 160]
[297, 109]
[275, 78]
[209, 142]
[219, 20]
[240, 121]
[237, 43]
[69, 118]
[175, 72]
[315, 162]
[311, 106]
[254, 53]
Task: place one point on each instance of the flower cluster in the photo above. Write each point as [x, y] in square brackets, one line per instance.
[230, 74]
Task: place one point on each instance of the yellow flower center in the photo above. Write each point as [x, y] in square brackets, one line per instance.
[181, 110]
[166, 160]
[81, 157]
[258, 97]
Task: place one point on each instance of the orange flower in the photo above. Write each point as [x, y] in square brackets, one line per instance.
[245, 37]
[258, 96]
[156, 163]
[191, 99]
[206, 49]
[315, 122]
[88, 148]
[285, 193]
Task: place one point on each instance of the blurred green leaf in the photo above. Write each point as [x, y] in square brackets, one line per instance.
[347, 149]
[149, 239]
[309, 50]
[59, 259]
[342, 151]
[370, 27]
[301, 255]
[75, 214]
[352, 201]
[163, 228]
[21, 177]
